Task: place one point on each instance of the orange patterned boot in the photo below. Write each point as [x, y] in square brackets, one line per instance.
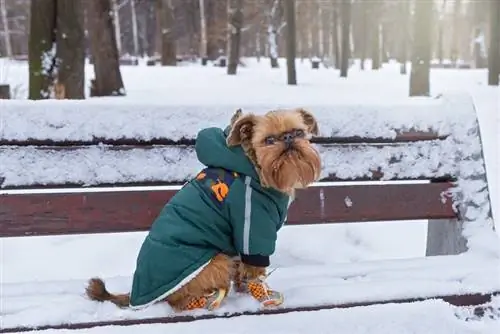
[259, 290]
[209, 301]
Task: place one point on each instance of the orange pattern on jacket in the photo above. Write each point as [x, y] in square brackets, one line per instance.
[220, 190]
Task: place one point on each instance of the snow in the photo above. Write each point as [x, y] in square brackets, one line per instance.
[315, 264]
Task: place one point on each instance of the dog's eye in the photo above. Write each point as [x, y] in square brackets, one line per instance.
[270, 140]
[299, 133]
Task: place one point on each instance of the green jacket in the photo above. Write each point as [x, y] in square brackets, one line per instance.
[223, 209]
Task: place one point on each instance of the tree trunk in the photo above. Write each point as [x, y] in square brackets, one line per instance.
[404, 34]
[235, 22]
[440, 36]
[335, 32]
[203, 28]
[70, 50]
[272, 35]
[454, 54]
[420, 68]
[6, 30]
[345, 18]
[375, 32]
[167, 33]
[273, 46]
[151, 28]
[42, 61]
[494, 50]
[108, 79]
[135, 34]
[384, 44]
[320, 25]
[116, 22]
[364, 33]
[290, 41]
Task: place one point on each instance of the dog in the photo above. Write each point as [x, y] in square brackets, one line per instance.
[221, 226]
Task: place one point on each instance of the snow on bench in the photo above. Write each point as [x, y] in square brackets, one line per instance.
[433, 144]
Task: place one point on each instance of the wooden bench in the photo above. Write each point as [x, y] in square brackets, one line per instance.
[98, 182]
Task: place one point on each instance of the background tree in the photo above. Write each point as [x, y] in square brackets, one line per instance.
[290, 41]
[166, 26]
[404, 33]
[6, 29]
[56, 55]
[494, 50]
[345, 7]
[235, 23]
[70, 50]
[108, 79]
[203, 31]
[374, 20]
[421, 50]
[335, 33]
[42, 58]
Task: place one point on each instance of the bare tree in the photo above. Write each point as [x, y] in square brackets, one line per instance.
[116, 22]
[494, 50]
[70, 52]
[203, 30]
[364, 32]
[108, 79]
[235, 23]
[421, 53]
[345, 16]
[404, 33]
[290, 41]
[454, 52]
[335, 33]
[42, 58]
[56, 50]
[167, 33]
[6, 30]
[273, 27]
[441, 28]
[135, 33]
[375, 33]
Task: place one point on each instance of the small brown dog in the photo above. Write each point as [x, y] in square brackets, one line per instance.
[221, 227]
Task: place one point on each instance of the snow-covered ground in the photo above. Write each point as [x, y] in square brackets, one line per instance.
[304, 253]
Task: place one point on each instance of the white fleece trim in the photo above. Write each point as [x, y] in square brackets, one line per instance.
[186, 280]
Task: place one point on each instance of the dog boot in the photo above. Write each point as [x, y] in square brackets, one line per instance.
[209, 301]
[259, 290]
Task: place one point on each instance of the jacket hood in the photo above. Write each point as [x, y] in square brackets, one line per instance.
[212, 150]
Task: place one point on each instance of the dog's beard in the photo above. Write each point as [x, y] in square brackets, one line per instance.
[288, 169]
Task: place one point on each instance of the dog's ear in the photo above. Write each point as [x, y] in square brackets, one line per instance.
[309, 121]
[241, 129]
[235, 116]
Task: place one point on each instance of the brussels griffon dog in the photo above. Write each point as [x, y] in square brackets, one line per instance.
[221, 227]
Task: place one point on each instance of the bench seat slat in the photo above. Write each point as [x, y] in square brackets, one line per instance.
[121, 211]
[25, 167]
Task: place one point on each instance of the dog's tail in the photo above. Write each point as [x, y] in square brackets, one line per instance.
[96, 290]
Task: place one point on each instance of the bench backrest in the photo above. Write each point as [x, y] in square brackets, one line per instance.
[56, 184]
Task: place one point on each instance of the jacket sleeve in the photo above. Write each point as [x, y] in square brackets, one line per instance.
[255, 221]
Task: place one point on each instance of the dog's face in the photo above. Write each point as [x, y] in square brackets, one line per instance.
[278, 145]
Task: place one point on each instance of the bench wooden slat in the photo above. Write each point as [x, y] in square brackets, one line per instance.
[467, 299]
[401, 136]
[160, 165]
[121, 211]
[375, 176]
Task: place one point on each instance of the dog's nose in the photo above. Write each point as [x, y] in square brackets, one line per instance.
[288, 139]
